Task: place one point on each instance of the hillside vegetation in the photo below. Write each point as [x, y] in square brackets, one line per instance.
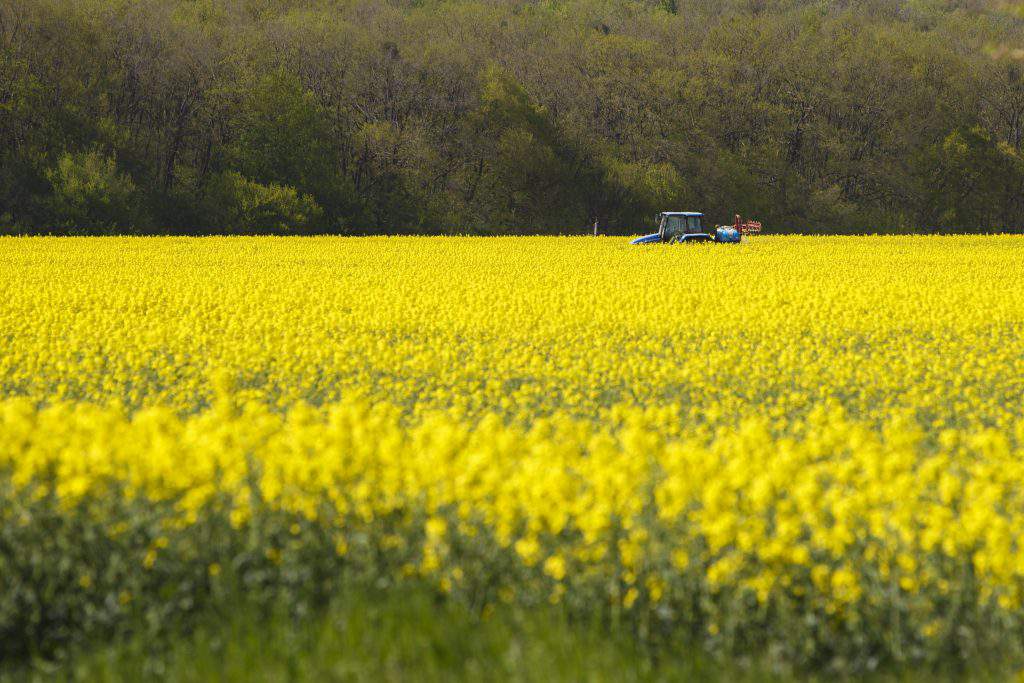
[354, 116]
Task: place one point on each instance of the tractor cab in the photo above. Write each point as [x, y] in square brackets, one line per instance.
[682, 226]
[678, 226]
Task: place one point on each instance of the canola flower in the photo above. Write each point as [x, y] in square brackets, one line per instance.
[817, 441]
[522, 326]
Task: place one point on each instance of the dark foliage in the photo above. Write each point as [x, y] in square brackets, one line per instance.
[509, 116]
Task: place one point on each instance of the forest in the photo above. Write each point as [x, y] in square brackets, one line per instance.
[509, 116]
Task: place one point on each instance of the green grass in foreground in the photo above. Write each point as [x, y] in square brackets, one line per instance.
[403, 636]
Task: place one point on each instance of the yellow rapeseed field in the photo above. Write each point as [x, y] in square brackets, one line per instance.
[811, 445]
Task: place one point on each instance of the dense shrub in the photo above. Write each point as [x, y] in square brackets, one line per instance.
[244, 206]
[90, 194]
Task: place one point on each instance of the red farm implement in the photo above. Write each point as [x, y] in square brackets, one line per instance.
[746, 227]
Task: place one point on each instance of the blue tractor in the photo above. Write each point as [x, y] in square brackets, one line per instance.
[688, 226]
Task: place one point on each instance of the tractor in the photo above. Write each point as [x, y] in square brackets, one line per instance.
[688, 226]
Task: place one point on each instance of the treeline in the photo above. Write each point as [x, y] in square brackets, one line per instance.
[485, 116]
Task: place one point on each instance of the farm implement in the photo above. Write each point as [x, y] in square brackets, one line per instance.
[688, 226]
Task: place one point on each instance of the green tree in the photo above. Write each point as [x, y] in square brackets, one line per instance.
[973, 180]
[282, 140]
[521, 174]
[245, 206]
[91, 195]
